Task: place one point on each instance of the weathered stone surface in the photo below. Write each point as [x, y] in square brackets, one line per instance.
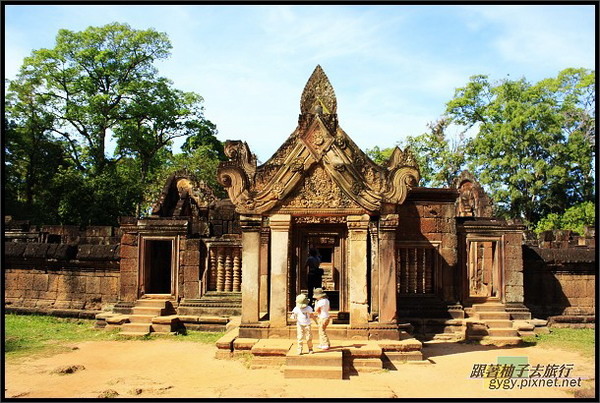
[400, 345]
[129, 252]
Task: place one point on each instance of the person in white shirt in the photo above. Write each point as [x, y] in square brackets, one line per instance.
[303, 313]
[322, 310]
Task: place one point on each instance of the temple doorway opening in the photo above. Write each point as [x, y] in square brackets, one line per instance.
[330, 243]
[157, 266]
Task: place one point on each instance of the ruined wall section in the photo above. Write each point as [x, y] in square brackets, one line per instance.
[63, 279]
[560, 278]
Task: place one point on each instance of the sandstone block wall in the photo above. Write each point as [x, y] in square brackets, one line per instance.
[560, 282]
[433, 222]
[58, 276]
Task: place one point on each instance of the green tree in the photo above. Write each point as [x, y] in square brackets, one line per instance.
[94, 85]
[575, 218]
[85, 81]
[31, 156]
[534, 145]
[440, 158]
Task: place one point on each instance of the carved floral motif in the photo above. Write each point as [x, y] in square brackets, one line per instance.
[318, 191]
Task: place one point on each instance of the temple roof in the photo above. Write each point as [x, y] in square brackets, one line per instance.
[320, 153]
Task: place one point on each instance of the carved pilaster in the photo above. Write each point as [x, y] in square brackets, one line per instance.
[250, 226]
[357, 256]
[280, 234]
[388, 225]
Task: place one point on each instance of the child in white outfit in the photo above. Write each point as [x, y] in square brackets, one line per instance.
[322, 310]
[302, 313]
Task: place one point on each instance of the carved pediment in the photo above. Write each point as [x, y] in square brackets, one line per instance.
[183, 195]
[317, 191]
[318, 153]
[472, 200]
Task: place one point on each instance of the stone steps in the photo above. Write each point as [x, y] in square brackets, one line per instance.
[140, 318]
[495, 325]
[150, 315]
[143, 328]
[490, 315]
[328, 365]
[503, 332]
[149, 310]
[499, 323]
[320, 372]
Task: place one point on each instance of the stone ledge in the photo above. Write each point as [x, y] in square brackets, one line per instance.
[272, 347]
[244, 343]
[226, 342]
[400, 345]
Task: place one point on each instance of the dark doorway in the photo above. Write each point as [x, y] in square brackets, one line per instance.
[329, 240]
[158, 267]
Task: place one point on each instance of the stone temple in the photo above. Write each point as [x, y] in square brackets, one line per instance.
[400, 260]
[396, 256]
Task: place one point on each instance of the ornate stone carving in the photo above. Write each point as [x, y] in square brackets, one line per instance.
[472, 201]
[318, 95]
[182, 187]
[345, 177]
[318, 191]
[319, 220]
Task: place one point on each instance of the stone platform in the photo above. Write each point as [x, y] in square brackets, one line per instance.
[344, 358]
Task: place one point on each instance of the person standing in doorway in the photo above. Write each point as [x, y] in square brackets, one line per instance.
[322, 311]
[315, 273]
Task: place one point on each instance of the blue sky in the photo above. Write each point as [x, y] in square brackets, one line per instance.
[393, 67]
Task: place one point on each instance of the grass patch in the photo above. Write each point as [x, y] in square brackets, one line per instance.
[581, 340]
[200, 337]
[27, 335]
[38, 334]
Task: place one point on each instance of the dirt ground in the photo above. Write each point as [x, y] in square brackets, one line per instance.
[176, 369]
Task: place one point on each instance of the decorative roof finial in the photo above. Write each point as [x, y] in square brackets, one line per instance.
[318, 95]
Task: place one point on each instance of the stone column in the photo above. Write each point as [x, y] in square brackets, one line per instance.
[388, 224]
[357, 266]
[220, 269]
[250, 267]
[237, 272]
[280, 234]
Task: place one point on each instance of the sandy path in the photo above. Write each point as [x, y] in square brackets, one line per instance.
[165, 368]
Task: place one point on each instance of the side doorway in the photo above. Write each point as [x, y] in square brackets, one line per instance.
[158, 268]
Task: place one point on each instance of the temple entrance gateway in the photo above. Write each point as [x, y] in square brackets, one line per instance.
[330, 242]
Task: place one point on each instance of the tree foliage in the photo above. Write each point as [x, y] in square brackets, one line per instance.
[575, 218]
[68, 102]
[534, 147]
[440, 158]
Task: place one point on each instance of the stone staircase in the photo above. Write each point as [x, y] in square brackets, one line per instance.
[151, 313]
[490, 322]
[321, 364]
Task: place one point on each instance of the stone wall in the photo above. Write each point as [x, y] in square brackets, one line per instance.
[560, 282]
[55, 278]
[432, 222]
